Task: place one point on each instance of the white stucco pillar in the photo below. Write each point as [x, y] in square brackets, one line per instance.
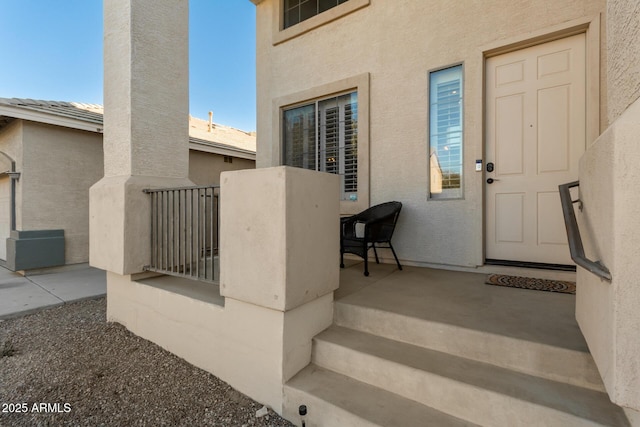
[146, 97]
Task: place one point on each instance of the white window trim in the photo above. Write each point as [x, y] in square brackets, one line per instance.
[281, 34]
[359, 83]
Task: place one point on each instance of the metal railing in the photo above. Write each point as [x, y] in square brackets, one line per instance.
[573, 234]
[185, 232]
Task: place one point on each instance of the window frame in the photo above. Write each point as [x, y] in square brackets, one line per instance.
[462, 132]
[281, 34]
[314, 5]
[360, 84]
[320, 110]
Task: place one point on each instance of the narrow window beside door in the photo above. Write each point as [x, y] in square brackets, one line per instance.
[445, 133]
[323, 136]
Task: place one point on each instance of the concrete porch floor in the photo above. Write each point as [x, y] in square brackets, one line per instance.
[462, 299]
[424, 346]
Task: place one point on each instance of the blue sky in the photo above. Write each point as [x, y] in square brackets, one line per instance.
[52, 50]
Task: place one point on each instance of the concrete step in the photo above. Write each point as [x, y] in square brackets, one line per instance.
[334, 400]
[514, 342]
[467, 389]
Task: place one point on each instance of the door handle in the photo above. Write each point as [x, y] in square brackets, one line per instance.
[491, 180]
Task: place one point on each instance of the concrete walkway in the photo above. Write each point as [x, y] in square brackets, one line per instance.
[20, 295]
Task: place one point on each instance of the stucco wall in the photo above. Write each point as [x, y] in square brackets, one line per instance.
[398, 44]
[278, 293]
[59, 166]
[205, 168]
[10, 143]
[10, 138]
[608, 312]
[623, 67]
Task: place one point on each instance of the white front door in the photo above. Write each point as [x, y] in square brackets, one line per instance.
[535, 112]
[5, 214]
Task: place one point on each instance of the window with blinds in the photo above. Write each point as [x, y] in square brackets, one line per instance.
[296, 11]
[445, 133]
[323, 136]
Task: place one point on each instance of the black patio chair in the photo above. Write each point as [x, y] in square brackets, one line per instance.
[375, 225]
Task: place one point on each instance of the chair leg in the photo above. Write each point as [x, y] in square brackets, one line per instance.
[341, 259]
[373, 245]
[395, 256]
[366, 258]
[366, 265]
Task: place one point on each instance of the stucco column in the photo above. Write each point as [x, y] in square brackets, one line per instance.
[146, 97]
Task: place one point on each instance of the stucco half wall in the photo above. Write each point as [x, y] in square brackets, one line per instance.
[255, 349]
[608, 312]
[279, 269]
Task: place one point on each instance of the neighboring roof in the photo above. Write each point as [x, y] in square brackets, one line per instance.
[221, 139]
[68, 114]
[219, 134]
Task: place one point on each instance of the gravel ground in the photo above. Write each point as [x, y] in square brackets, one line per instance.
[94, 373]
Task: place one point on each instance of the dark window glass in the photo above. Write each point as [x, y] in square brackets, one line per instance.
[329, 144]
[296, 11]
